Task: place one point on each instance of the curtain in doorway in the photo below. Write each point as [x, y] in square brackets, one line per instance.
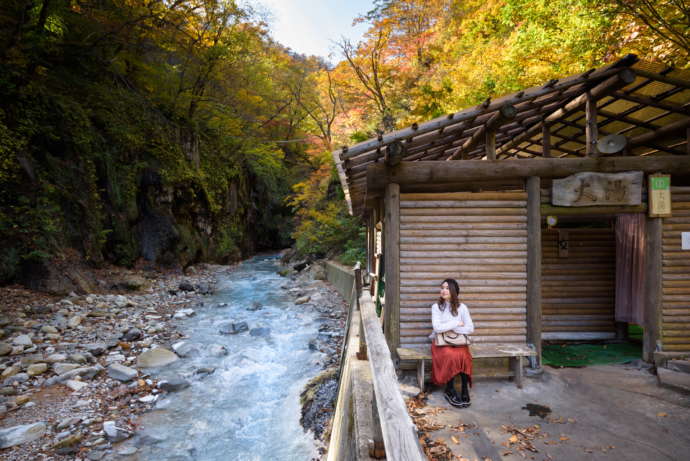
[630, 264]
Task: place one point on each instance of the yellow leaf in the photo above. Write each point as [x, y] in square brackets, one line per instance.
[662, 414]
[454, 439]
[564, 438]
[513, 439]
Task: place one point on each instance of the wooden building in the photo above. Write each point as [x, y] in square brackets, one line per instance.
[468, 195]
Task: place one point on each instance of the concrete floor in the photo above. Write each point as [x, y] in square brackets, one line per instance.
[612, 412]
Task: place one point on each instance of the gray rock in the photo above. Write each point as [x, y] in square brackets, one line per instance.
[157, 357]
[302, 300]
[173, 384]
[95, 349]
[186, 286]
[75, 385]
[36, 369]
[23, 340]
[11, 371]
[60, 368]
[8, 390]
[65, 423]
[217, 350]
[133, 334]
[5, 349]
[78, 358]
[49, 329]
[54, 358]
[74, 321]
[121, 372]
[18, 378]
[230, 328]
[121, 301]
[205, 288]
[17, 435]
[84, 372]
[114, 433]
[262, 332]
[186, 349]
[204, 371]
[133, 282]
[95, 455]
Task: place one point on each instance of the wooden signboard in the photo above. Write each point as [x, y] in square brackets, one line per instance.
[659, 196]
[591, 189]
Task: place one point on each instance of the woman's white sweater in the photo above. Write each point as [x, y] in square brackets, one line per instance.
[444, 320]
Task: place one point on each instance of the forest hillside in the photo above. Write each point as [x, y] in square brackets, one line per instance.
[139, 132]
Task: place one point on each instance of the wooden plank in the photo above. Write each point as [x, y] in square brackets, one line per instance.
[474, 196]
[534, 266]
[487, 213]
[392, 262]
[399, 432]
[490, 204]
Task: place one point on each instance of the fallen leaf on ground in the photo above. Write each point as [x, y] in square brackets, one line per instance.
[454, 439]
[564, 438]
[662, 414]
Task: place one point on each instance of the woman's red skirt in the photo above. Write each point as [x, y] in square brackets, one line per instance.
[448, 361]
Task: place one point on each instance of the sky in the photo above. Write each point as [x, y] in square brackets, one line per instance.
[312, 26]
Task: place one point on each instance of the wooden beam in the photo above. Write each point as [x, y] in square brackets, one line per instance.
[647, 101]
[665, 130]
[591, 133]
[613, 83]
[392, 264]
[664, 78]
[504, 114]
[653, 287]
[399, 433]
[534, 311]
[427, 172]
[591, 210]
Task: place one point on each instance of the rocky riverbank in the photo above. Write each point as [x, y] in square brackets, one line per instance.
[76, 371]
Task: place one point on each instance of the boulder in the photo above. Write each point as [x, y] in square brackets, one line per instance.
[114, 433]
[255, 306]
[60, 368]
[157, 357]
[173, 384]
[36, 369]
[23, 340]
[74, 321]
[75, 385]
[186, 286]
[186, 349]
[121, 372]
[48, 329]
[18, 378]
[302, 300]
[133, 334]
[133, 283]
[17, 435]
[5, 349]
[230, 328]
[96, 349]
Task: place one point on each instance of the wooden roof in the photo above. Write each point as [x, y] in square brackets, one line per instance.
[647, 103]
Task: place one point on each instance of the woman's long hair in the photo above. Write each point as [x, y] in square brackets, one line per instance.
[454, 289]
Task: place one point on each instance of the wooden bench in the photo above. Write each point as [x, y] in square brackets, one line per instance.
[515, 352]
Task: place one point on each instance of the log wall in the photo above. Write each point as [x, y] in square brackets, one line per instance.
[675, 328]
[480, 239]
[578, 289]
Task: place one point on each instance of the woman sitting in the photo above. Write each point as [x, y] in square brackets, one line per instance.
[447, 362]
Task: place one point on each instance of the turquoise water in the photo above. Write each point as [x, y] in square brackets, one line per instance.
[248, 409]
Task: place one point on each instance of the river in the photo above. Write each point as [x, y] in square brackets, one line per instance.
[248, 408]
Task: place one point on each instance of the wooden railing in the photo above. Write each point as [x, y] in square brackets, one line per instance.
[400, 438]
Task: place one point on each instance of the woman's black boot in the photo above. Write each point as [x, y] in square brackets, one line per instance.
[465, 392]
[451, 394]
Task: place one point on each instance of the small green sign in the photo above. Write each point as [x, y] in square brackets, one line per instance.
[661, 182]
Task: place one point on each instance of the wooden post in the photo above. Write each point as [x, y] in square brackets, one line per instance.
[687, 141]
[371, 241]
[491, 145]
[546, 140]
[534, 264]
[392, 262]
[591, 129]
[653, 285]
